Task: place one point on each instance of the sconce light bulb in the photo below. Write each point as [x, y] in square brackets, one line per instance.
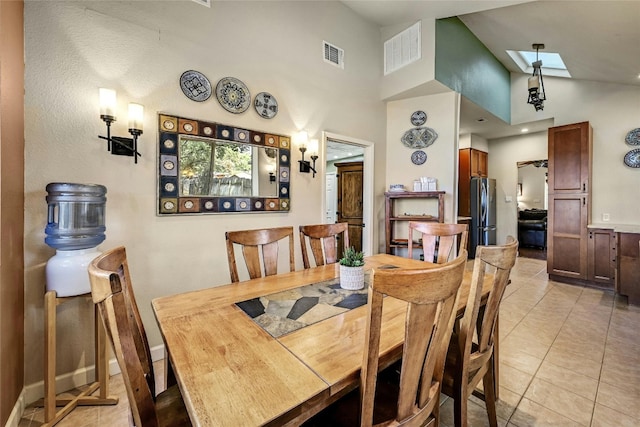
[302, 138]
[313, 147]
[107, 103]
[136, 116]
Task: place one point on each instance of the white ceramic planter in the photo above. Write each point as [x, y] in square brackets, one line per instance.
[351, 278]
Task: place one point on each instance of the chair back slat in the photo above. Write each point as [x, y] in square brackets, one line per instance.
[259, 250]
[440, 242]
[431, 295]
[323, 241]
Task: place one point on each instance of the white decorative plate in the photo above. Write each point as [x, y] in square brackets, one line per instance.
[266, 105]
[632, 158]
[195, 85]
[233, 95]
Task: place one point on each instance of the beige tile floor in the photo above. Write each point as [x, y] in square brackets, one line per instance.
[569, 356]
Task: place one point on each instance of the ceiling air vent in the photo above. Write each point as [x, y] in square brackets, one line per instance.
[402, 49]
[333, 54]
[204, 2]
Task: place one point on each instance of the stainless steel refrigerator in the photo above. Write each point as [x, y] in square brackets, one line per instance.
[483, 214]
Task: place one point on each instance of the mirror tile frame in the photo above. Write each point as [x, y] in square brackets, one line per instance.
[170, 128]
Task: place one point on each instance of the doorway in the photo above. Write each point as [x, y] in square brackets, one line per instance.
[344, 149]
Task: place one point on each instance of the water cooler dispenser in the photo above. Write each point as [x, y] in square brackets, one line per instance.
[75, 227]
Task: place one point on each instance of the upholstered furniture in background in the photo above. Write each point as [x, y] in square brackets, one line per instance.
[532, 228]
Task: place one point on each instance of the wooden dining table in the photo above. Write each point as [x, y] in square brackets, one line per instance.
[233, 372]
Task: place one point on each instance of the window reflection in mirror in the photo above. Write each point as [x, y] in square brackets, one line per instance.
[215, 168]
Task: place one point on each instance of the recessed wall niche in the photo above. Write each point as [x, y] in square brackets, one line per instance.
[212, 168]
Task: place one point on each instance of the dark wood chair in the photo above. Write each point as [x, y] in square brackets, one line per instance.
[414, 400]
[111, 291]
[470, 362]
[255, 242]
[323, 240]
[440, 242]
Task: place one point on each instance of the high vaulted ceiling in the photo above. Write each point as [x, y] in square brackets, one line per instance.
[598, 40]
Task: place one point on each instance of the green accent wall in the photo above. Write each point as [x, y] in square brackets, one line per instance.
[465, 65]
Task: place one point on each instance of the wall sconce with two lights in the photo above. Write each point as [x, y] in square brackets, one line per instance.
[115, 144]
[304, 145]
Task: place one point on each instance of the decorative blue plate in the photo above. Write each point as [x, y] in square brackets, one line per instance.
[632, 158]
[418, 157]
[419, 137]
[266, 105]
[195, 86]
[233, 95]
[633, 137]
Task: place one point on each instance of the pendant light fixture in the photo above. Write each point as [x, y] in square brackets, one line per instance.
[536, 84]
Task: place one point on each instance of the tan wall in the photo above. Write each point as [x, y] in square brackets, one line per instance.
[11, 206]
[141, 49]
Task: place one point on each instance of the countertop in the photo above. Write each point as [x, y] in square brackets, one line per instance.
[618, 228]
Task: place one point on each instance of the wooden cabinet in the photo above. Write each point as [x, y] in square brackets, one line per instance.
[628, 266]
[569, 201]
[602, 257]
[416, 211]
[471, 163]
[570, 158]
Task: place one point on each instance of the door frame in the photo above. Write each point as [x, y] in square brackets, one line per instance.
[367, 185]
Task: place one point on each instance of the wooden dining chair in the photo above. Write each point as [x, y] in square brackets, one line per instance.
[257, 244]
[111, 291]
[440, 242]
[470, 362]
[323, 239]
[432, 297]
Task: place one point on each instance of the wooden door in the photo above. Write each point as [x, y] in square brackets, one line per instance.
[566, 235]
[602, 257]
[570, 158]
[350, 201]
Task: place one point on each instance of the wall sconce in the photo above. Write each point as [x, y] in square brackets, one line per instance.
[272, 173]
[311, 146]
[116, 144]
[536, 84]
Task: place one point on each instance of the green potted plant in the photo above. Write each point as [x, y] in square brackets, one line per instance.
[352, 269]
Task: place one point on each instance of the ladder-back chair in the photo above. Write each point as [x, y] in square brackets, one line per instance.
[257, 244]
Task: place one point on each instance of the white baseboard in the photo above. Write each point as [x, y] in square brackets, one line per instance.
[77, 378]
[17, 411]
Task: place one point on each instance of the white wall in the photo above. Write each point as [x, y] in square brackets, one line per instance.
[442, 156]
[141, 49]
[533, 182]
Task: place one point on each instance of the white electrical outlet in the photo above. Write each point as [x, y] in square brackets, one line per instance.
[605, 217]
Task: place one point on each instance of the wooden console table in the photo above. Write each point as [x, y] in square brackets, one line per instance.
[51, 417]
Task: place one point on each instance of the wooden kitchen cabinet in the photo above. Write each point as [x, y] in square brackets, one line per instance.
[471, 163]
[602, 257]
[570, 153]
[570, 158]
[628, 266]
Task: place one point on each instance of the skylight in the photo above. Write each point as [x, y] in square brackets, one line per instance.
[552, 63]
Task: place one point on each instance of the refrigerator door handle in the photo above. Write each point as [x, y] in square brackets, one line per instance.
[483, 203]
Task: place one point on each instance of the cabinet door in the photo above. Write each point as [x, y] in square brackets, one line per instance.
[567, 235]
[464, 182]
[570, 158]
[483, 164]
[479, 163]
[628, 280]
[602, 257]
